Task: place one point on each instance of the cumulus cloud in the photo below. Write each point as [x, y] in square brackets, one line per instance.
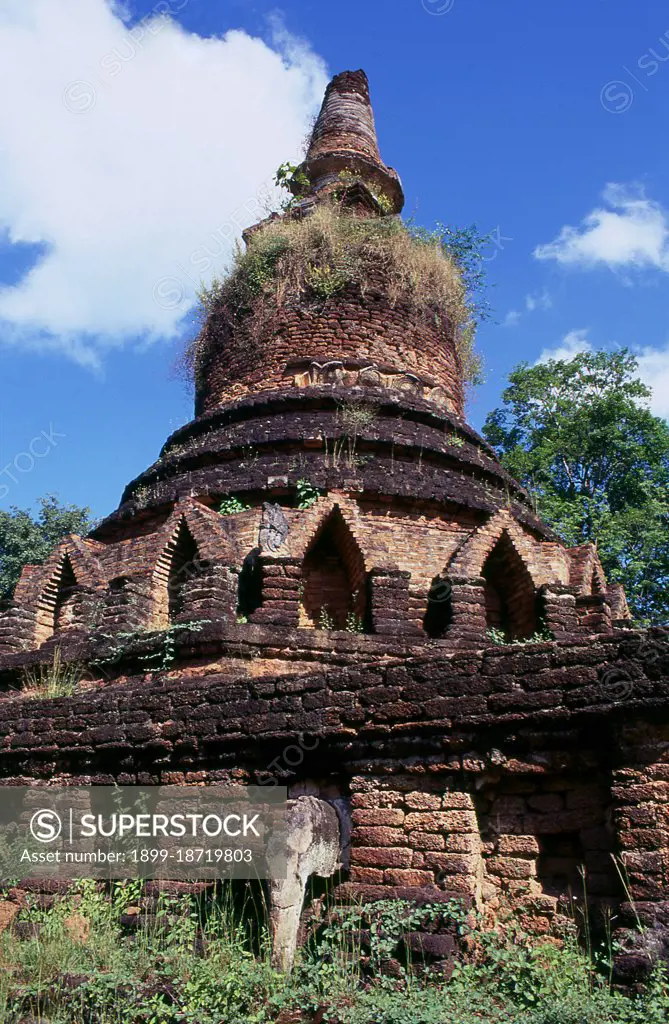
[135, 156]
[654, 371]
[542, 300]
[629, 231]
[571, 345]
[512, 318]
[653, 365]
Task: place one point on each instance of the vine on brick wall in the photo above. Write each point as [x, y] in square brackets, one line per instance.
[164, 646]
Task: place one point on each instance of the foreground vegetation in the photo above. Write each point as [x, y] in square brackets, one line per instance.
[99, 959]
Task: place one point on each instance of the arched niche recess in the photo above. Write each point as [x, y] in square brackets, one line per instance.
[56, 606]
[439, 614]
[510, 595]
[249, 590]
[177, 565]
[334, 580]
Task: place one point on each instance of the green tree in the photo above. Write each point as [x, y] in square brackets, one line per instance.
[28, 539]
[579, 435]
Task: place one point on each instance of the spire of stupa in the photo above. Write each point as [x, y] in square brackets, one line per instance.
[344, 140]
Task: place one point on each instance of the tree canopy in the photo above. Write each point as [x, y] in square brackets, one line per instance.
[579, 435]
[27, 539]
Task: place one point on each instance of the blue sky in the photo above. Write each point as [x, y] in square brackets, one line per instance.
[127, 142]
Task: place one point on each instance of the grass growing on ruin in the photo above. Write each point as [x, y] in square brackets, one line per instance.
[197, 962]
[315, 258]
[57, 679]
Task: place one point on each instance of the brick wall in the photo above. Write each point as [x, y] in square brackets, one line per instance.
[358, 329]
[495, 775]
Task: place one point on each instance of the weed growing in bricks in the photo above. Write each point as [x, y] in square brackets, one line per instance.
[57, 679]
[351, 419]
[231, 505]
[141, 496]
[174, 451]
[348, 179]
[437, 275]
[499, 637]
[325, 619]
[164, 657]
[326, 281]
[307, 494]
[293, 179]
[163, 646]
[455, 441]
[354, 623]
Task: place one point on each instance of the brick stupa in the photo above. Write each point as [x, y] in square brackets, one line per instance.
[359, 622]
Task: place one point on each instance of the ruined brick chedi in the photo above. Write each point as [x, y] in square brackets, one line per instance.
[332, 628]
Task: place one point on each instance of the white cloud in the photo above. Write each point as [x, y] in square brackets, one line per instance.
[654, 371]
[628, 231]
[135, 155]
[512, 318]
[571, 345]
[541, 300]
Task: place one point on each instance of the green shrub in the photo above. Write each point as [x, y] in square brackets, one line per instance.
[307, 494]
[354, 623]
[498, 636]
[231, 505]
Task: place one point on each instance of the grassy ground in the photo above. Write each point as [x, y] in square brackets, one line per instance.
[81, 961]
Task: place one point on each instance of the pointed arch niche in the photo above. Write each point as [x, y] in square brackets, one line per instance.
[510, 595]
[177, 565]
[334, 580]
[56, 605]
